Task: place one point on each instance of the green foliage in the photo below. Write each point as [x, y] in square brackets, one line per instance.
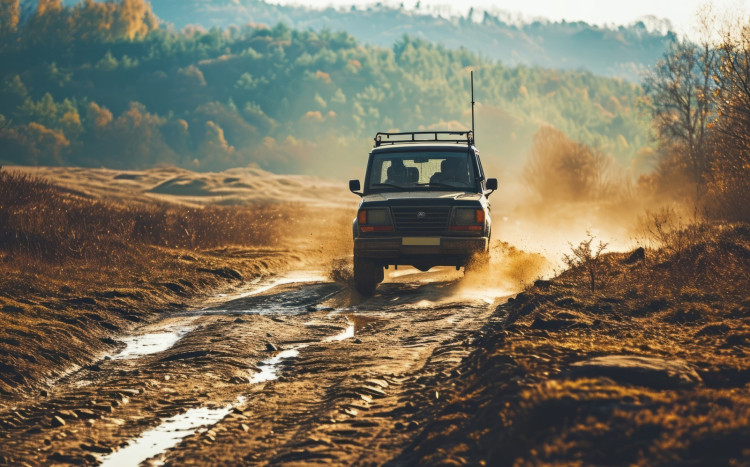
[279, 98]
[622, 51]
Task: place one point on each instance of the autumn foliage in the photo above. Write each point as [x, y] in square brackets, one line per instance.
[699, 99]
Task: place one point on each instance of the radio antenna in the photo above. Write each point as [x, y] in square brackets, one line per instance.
[473, 134]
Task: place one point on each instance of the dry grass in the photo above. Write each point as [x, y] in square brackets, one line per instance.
[44, 228]
[522, 403]
[40, 220]
[75, 271]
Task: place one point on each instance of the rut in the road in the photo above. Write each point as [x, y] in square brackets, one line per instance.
[335, 400]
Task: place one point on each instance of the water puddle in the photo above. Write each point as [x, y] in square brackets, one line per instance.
[167, 435]
[487, 295]
[152, 342]
[291, 299]
[173, 430]
[301, 277]
[347, 333]
[269, 367]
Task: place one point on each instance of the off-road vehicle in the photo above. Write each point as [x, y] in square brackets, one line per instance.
[424, 204]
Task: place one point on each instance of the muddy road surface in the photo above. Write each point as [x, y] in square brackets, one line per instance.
[293, 370]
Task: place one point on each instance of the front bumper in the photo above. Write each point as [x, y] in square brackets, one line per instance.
[392, 250]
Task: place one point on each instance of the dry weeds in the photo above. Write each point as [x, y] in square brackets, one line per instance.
[76, 271]
[521, 400]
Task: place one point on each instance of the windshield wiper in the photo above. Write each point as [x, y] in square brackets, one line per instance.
[391, 185]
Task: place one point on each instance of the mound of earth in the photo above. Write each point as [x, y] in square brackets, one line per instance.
[650, 369]
[239, 186]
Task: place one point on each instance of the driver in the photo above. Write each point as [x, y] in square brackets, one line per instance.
[452, 169]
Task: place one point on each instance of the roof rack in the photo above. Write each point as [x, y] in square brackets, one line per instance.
[466, 137]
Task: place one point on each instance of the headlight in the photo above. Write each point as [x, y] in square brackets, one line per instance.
[464, 216]
[371, 220]
[468, 219]
[377, 217]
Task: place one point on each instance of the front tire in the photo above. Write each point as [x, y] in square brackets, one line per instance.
[367, 275]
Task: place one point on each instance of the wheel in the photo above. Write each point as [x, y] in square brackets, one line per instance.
[367, 275]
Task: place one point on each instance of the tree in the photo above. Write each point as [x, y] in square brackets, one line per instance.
[559, 169]
[8, 16]
[681, 89]
[48, 6]
[730, 169]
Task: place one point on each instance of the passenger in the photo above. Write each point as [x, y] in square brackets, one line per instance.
[396, 172]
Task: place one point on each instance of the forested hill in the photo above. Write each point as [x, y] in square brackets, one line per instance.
[619, 51]
[102, 84]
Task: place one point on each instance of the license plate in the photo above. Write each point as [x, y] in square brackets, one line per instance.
[420, 241]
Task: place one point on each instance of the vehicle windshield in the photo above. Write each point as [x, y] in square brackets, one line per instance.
[426, 170]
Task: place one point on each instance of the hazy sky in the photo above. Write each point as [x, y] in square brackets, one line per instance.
[681, 13]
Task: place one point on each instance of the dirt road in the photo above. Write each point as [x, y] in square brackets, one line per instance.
[295, 369]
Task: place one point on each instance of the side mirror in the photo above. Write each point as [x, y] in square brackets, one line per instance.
[491, 184]
[354, 187]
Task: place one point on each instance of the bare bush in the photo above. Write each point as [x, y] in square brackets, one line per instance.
[559, 169]
[681, 91]
[587, 256]
[669, 230]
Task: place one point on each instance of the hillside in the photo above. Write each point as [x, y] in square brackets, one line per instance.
[622, 51]
[108, 86]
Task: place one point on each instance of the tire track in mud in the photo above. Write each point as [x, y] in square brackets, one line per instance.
[353, 399]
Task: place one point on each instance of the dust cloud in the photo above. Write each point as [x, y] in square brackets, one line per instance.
[565, 191]
[561, 193]
[555, 195]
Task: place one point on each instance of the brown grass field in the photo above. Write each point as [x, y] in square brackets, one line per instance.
[645, 365]
[77, 267]
[672, 389]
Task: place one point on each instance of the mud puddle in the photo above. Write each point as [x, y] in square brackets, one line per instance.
[201, 387]
[347, 333]
[148, 343]
[294, 293]
[269, 367]
[296, 277]
[155, 443]
[167, 435]
[292, 298]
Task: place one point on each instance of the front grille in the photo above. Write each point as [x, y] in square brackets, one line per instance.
[409, 221]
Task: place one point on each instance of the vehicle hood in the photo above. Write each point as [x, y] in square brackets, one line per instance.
[423, 197]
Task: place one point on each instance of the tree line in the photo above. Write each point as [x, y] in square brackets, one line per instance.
[104, 84]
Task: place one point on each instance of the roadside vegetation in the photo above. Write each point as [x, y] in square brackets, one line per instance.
[698, 97]
[650, 369]
[74, 271]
